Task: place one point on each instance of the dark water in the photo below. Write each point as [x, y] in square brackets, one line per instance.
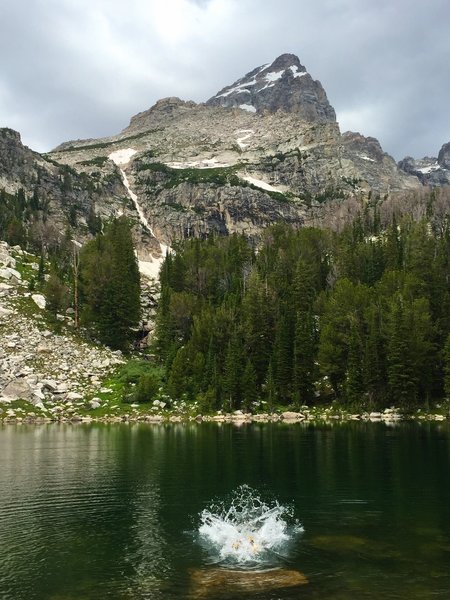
[110, 512]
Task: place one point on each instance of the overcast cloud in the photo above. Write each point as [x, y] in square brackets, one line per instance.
[81, 68]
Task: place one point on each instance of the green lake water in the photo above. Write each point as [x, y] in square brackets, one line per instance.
[93, 512]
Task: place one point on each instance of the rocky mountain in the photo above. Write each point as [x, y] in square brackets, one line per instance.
[429, 170]
[265, 149]
[282, 85]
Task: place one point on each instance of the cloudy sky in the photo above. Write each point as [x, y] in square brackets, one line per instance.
[81, 68]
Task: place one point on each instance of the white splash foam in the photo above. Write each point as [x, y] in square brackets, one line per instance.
[247, 531]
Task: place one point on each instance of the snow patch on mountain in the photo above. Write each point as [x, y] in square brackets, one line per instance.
[296, 72]
[261, 184]
[240, 140]
[122, 157]
[248, 107]
[429, 169]
[275, 76]
[207, 163]
[147, 268]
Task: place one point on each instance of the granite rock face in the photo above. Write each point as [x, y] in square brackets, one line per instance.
[444, 156]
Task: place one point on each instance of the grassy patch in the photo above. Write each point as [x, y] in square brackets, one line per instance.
[219, 176]
[98, 161]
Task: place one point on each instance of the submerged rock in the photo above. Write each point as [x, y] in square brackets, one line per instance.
[225, 583]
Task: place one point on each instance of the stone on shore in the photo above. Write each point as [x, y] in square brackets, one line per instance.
[292, 416]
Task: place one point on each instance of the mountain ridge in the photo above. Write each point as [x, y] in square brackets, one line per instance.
[214, 167]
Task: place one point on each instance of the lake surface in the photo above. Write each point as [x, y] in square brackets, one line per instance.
[93, 512]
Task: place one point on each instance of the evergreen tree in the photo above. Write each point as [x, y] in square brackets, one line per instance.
[305, 349]
[110, 285]
[283, 354]
[232, 374]
[354, 383]
[447, 368]
[374, 359]
[249, 386]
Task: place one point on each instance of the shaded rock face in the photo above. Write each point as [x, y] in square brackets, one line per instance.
[429, 170]
[282, 85]
[444, 156]
[61, 189]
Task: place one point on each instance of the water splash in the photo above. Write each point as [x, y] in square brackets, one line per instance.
[246, 531]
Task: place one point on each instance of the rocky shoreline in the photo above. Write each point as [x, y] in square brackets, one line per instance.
[49, 374]
[390, 416]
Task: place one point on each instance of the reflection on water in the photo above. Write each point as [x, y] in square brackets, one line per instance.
[110, 511]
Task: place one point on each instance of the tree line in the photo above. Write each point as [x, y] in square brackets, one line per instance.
[100, 281]
[361, 315]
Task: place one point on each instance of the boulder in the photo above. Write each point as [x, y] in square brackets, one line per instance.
[5, 312]
[62, 388]
[43, 348]
[74, 396]
[5, 274]
[39, 300]
[5, 288]
[292, 416]
[17, 389]
[49, 385]
[375, 415]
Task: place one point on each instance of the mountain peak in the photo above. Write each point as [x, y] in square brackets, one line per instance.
[283, 84]
[284, 61]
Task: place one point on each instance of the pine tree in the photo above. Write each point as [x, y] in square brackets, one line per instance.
[110, 285]
[447, 368]
[283, 354]
[354, 384]
[305, 349]
[270, 388]
[305, 338]
[249, 386]
[402, 378]
[374, 360]
[232, 374]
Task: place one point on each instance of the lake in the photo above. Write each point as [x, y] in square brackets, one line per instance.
[122, 512]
